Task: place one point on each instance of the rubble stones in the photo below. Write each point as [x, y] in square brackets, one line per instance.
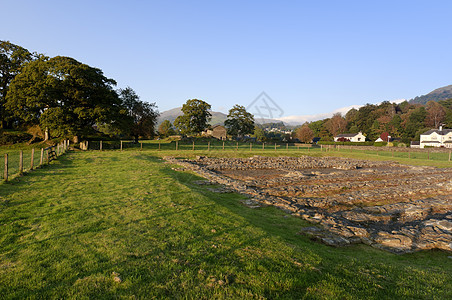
[382, 204]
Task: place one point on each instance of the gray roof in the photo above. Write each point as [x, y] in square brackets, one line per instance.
[430, 142]
[347, 135]
[415, 143]
[440, 132]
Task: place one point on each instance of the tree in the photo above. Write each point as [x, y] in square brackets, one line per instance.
[259, 134]
[435, 114]
[239, 122]
[305, 134]
[195, 118]
[336, 124]
[142, 116]
[12, 59]
[166, 128]
[416, 121]
[64, 95]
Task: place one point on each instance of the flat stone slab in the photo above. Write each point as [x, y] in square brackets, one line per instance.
[383, 204]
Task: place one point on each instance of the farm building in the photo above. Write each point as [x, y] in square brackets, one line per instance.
[217, 131]
[350, 137]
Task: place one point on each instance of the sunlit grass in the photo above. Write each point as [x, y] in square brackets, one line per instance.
[67, 230]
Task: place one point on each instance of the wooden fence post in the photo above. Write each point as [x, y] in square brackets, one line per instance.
[177, 144]
[32, 158]
[237, 148]
[41, 161]
[100, 145]
[287, 146]
[223, 145]
[21, 162]
[141, 146]
[208, 146]
[193, 145]
[321, 148]
[5, 175]
[275, 146]
[251, 146]
[121, 146]
[263, 145]
[449, 155]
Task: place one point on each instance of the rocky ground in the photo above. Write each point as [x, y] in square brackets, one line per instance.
[383, 204]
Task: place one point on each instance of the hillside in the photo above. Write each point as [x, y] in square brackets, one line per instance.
[436, 95]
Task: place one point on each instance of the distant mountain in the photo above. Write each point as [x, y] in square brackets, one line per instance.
[436, 95]
[218, 118]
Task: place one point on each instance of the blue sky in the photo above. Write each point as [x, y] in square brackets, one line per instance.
[310, 57]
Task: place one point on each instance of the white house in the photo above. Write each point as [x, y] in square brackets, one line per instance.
[352, 137]
[437, 138]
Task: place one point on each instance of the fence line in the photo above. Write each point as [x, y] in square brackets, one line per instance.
[410, 153]
[15, 162]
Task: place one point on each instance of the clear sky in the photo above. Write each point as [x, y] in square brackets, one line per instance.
[310, 57]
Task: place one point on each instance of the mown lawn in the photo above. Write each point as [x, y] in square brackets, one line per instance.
[124, 224]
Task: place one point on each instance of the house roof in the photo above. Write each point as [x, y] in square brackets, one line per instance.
[440, 132]
[430, 142]
[216, 126]
[347, 135]
[415, 143]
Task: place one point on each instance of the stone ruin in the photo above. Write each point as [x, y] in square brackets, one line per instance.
[383, 204]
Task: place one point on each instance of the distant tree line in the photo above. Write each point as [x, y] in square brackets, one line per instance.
[405, 121]
[67, 97]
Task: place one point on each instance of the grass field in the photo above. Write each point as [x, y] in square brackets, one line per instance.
[117, 224]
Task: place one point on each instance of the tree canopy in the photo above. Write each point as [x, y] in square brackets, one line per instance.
[239, 122]
[166, 128]
[62, 94]
[12, 59]
[195, 118]
[141, 116]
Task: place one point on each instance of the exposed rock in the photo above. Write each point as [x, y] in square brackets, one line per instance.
[382, 204]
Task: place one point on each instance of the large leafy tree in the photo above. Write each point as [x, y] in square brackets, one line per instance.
[64, 95]
[196, 116]
[239, 122]
[436, 114]
[12, 59]
[337, 124]
[141, 116]
[304, 133]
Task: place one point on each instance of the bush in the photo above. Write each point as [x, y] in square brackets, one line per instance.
[8, 138]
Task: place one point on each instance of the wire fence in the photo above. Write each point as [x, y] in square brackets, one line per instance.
[16, 162]
[439, 154]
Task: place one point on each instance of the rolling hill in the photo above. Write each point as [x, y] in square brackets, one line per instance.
[442, 93]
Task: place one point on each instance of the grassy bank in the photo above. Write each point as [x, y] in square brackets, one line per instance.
[124, 224]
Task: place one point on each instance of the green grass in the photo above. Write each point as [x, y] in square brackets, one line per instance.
[65, 228]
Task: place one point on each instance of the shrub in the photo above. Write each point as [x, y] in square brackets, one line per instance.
[8, 138]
